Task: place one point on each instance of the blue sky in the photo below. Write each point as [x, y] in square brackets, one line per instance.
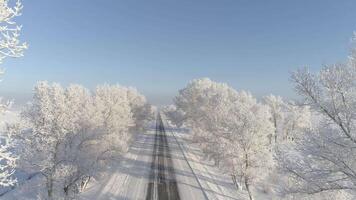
[159, 45]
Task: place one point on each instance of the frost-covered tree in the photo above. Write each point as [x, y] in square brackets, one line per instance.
[248, 129]
[8, 162]
[115, 116]
[288, 118]
[10, 46]
[231, 127]
[324, 160]
[141, 110]
[200, 102]
[69, 134]
[7, 157]
[175, 116]
[42, 143]
[275, 104]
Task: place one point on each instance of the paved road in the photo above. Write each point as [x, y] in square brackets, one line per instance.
[162, 184]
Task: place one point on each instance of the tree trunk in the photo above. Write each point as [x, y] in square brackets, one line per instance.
[235, 181]
[66, 192]
[275, 131]
[246, 176]
[51, 172]
[85, 183]
[49, 188]
[248, 189]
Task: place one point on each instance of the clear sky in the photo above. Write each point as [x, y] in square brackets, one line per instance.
[159, 45]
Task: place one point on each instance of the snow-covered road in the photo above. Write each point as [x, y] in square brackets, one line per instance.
[160, 165]
[162, 184]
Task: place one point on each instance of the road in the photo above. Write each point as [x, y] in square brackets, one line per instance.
[163, 184]
[161, 166]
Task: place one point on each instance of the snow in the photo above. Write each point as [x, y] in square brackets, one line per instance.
[27, 190]
[129, 178]
[10, 116]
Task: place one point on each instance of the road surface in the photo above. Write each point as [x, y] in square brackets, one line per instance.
[163, 184]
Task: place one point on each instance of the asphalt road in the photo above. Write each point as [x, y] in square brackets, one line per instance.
[162, 181]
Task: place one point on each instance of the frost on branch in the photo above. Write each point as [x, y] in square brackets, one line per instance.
[8, 162]
[10, 45]
[288, 118]
[323, 161]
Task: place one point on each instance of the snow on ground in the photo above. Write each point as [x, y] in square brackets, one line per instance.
[27, 190]
[129, 179]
